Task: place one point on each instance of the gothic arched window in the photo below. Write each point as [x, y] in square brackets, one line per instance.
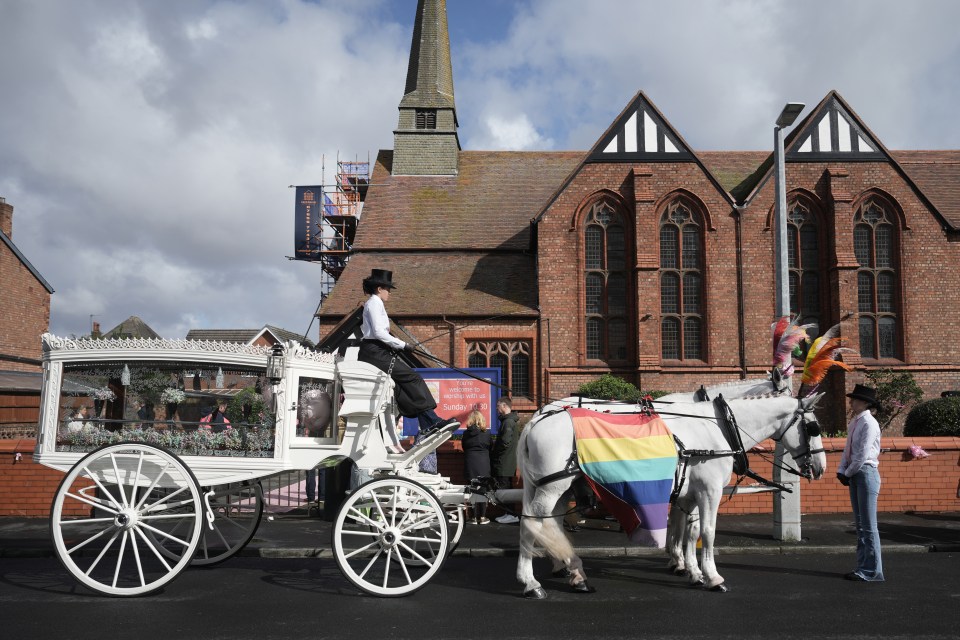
[512, 358]
[875, 246]
[605, 284]
[681, 284]
[803, 261]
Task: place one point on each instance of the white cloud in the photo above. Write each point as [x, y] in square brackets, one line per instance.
[514, 133]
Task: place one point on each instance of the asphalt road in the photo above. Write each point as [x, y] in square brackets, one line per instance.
[771, 596]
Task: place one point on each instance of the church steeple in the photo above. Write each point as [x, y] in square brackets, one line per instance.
[425, 141]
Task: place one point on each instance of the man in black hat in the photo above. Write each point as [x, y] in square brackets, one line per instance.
[380, 349]
[858, 470]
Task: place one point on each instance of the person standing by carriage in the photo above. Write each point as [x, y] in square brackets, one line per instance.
[859, 471]
[382, 350]
[476, 443]
[503, 456]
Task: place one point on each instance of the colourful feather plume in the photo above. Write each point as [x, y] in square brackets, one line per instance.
[787, 336]
[821, 357]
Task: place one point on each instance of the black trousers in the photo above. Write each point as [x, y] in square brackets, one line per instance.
[413, 396]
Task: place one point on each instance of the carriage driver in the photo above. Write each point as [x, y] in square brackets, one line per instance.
[381, 349]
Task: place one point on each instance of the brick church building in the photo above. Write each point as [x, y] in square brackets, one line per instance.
[648, 259]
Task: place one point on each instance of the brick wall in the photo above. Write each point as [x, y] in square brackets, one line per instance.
[930, 484]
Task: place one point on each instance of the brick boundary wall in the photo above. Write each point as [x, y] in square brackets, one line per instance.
[920, 485]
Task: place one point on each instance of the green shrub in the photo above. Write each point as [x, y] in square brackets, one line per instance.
[610, 387]
[939, 417]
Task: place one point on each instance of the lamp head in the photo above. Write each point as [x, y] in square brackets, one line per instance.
[789, 114]
[275, 365]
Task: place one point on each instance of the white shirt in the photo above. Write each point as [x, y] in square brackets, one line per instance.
[863, 445]
[376, 324]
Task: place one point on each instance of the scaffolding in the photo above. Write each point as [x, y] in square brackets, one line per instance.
[341, 206]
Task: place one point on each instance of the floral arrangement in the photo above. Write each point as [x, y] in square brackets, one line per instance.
[104, 393]
[172, 395]
[236, 442]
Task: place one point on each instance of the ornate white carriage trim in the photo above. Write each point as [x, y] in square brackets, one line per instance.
[57, 343]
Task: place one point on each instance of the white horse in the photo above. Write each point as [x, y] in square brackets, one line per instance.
[546, 445]
[682, 524]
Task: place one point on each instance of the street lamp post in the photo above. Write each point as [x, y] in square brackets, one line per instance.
[786, 506]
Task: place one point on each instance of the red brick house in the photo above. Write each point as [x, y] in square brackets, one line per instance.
[649, 259]
[25, 304]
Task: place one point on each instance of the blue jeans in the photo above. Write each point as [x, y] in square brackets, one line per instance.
[864, 489]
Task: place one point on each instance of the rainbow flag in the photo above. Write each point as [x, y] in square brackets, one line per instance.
[629, 461]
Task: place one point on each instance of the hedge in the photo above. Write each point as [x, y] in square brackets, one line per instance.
[939, 417]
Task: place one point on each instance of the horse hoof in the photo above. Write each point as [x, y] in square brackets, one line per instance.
[697, 583]
[535, 594]
[678, 571]
[582, 587]
[720, 588]
[562, 573]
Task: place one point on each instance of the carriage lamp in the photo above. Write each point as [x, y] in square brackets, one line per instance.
[275, 365]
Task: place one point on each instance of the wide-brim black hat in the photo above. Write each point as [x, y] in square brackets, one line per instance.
[867, 394]
[380, 278]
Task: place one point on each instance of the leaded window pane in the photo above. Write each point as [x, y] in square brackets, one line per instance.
[670, 339]
[616, 294]
[593, 247]
[691, 247]
[477, 360]
[617, 336]
[691, 339]
[809, 249]
[861, 244]
[616, 248]
[520, 370]
[888, 337]
[794, 281]
[691, 293]
[866, 338]
[864, 293]
[811, 293]
[594, 346]
[594, 293]
[884, 240]
[670, 293]
[668, 247]
[499, 361]
[885, 292]
[792, 246]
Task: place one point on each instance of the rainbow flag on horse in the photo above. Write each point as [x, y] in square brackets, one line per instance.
[629, 460]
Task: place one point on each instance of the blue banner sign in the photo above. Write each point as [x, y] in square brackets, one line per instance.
[307, 240]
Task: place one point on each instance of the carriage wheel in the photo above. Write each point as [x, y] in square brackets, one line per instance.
[112, 508]
[237, 510]
[456, 517]
[390, 537]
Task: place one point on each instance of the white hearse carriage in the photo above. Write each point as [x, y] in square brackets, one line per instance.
[156, 480]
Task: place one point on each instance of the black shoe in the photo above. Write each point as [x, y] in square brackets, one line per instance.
[441, 426]
[854, 576]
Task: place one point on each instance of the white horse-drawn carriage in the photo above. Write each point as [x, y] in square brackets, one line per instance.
[145, 496]
[153, 484]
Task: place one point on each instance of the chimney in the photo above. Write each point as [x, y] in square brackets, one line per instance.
[6, 218]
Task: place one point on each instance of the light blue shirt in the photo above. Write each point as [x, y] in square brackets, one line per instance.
[376, 323]
[863, 445]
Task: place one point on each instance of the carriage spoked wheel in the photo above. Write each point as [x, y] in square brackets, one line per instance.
[237, 510]
[112, 510]
[390, 537]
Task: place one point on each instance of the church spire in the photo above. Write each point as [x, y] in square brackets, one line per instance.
[425, 141]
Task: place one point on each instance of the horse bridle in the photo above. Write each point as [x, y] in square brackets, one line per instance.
[809, 429]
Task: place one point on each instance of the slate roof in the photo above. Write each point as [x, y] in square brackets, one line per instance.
[736, 171]
[243, 336]
[132, 327]
[487, 206]
[937, 174]
[440, 283]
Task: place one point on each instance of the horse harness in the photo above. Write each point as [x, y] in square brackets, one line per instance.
[727, 423]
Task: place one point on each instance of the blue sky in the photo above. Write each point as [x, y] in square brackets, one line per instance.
[147, 146]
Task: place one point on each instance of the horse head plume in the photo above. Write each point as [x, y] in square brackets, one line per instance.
[787, 336]
[821, 358]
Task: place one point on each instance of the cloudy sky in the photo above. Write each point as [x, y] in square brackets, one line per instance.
[147, 145]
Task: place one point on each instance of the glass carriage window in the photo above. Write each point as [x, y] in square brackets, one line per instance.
[681, 284]
[803, 251]
[874, 239]
[606, 284]
[172, 404]
[512, 358]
